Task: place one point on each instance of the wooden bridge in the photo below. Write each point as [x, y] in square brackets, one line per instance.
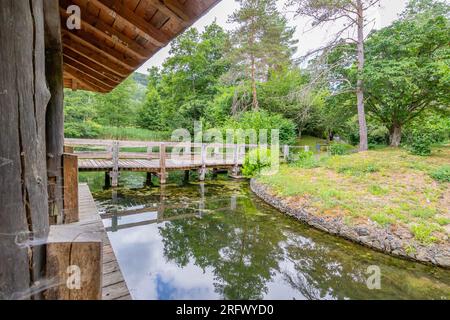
[158, 158]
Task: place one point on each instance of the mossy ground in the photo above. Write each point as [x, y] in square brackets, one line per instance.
[388, 186]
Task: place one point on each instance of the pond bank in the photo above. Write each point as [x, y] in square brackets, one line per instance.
[392, 240]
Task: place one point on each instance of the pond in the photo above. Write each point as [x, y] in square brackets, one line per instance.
[216, 240]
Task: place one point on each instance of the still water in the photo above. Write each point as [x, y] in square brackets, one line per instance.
[216, 240]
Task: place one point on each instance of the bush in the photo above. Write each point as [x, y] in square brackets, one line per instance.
[420, 142]
[255, 161]
[339, 149]
[305, 160]
[86, 129]
[441, 174]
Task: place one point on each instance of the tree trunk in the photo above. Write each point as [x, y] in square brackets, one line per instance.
[55, 112]
[363, 143]
[23, 170]
[395, 135]
[255, 103]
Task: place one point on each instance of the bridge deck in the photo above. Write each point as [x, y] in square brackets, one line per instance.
[149, 165]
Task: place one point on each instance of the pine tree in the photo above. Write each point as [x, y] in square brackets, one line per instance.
[261, 42]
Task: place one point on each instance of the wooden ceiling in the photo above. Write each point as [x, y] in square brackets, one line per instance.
[118, 36]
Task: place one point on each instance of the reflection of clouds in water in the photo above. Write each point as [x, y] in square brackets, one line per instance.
[148, 275]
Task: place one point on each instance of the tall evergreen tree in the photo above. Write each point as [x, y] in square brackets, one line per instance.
[261, 41]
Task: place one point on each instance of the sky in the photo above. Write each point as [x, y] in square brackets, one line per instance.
[382, 15]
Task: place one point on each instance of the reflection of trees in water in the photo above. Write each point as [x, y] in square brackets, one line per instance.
[319, 273]
[242, 249]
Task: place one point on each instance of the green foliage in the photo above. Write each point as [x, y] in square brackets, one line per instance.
[263, 120]
[420, 142]
[424, 233]
[306, 159]
[127, 133]
[85, 129]
[441, 174]
[255, 161]
[339, 149]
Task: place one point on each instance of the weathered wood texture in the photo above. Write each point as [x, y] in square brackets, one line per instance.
[70, 166]
[23, 170]
[114, 285]
[74, 263]
[55, 112]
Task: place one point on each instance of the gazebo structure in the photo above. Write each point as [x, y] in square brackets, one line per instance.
[47, 45]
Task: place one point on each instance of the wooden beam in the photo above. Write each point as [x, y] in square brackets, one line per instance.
[74, 263]
[85, 85]
[96, 56]
[55, 110]
[88, 39]
[168, 12]
[149, 32]
[87, 78]
[184, 12]
[91, 64]
[89, 71]
[96, 25]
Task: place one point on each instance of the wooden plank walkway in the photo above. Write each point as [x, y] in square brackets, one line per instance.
[150, 165]
[114, 285]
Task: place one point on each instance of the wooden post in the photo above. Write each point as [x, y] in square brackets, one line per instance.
[162, 163]
[235, 170]
[55, 110]
[70, 166]
[74, 264]
[186, 176]
[23, 166]
[148, 179]
[115, 162]
[202, 170]
[286, 152]
[107, 180]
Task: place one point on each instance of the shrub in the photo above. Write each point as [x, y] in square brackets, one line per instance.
[86, 129]
[420, 143]
[305, 159]
[339, 149]
[441, 174]
[255, 161]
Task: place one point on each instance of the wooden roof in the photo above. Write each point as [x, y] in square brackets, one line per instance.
[118, 36]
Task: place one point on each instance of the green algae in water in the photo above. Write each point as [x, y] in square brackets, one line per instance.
[216, 240]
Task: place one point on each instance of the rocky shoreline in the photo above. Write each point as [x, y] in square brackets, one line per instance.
[394, 241]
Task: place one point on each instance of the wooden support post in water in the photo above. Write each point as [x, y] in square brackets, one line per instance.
[286, 152]
[202, 170]
[107, 180]
[115, 162]
[186, 176]
[54, 113]
[148, 179]
[74, 264]
[235, 170]
[162, 163]
[70, 181]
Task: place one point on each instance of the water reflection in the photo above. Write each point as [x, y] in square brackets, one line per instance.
[215, 240]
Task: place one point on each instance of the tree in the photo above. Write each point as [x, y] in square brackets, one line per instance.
[354, 14]
[408, 69]
[261, 42]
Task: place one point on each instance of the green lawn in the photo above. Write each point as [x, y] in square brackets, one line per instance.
[387, 186]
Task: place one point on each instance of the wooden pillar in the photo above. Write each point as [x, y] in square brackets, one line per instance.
[202, 170]
[107, 180]
[286, 152]
[115, 162]
[148, 179]
[55, 110]
[186, 176]
[74, 264]
[70, 181]
[23, 168]
[162, 163]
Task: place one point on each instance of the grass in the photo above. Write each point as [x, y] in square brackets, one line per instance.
[124, 133]
[388, 186]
